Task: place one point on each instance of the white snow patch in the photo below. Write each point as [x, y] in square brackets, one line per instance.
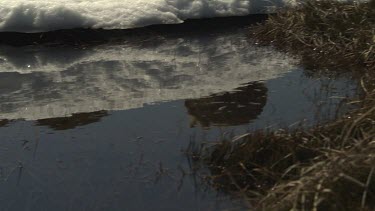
[47, 15]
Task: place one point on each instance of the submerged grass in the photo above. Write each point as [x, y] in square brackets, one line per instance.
[328, 167]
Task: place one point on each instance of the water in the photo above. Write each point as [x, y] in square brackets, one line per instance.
[104, 127]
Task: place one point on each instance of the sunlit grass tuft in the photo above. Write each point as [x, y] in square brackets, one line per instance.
[337, 34]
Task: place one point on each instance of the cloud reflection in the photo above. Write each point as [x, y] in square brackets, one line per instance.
[51, 82]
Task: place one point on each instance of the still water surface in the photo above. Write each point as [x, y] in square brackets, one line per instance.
[105, 127]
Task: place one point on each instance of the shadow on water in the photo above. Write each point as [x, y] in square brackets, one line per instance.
[4, 122]
[230, 108]
[84, 37]
[76, 120]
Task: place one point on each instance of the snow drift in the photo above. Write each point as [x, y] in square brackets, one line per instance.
[48, 15]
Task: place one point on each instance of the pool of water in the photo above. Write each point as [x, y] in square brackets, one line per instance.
[105, 127]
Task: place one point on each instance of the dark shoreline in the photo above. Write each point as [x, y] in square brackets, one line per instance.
[83, 37]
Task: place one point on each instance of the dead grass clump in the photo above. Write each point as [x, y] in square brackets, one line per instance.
[339, 180]
[335, 33]
[330, 167]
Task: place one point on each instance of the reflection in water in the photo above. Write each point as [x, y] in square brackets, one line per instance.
[4, 122]
[64, 123]
[49, 82]
[229, 108]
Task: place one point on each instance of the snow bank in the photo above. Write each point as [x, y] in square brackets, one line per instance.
[47, 15]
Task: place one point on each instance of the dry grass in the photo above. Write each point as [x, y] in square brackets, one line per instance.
[325, 168]
[336, 34]
[328, 167]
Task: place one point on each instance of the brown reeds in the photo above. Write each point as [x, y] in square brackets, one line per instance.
[328, 167]
[337, 34]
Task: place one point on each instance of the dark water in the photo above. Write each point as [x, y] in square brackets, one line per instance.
[105, 127]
